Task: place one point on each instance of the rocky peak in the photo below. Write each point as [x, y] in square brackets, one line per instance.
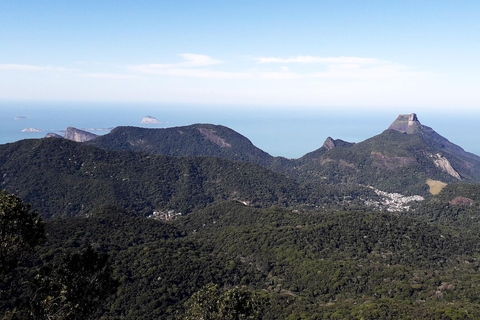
[78, 135]
[53, 135]
[329, 143]
[406, 123]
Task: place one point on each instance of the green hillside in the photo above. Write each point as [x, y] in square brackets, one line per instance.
[391, 161]
[64, 178]
[194, 140]
[311, 266]
[401, 159]
[272, 238]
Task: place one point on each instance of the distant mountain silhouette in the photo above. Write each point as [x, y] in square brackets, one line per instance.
[194, 140]
[401, 159]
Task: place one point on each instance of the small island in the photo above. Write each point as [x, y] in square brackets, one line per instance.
[20, 118]
[32, 130]
[150, 120]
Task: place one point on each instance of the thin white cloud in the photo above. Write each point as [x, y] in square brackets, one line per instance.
[197, 60]
[327, 60]
[27, 67]
[186, 72]
[346, 68]
[189, 60]
[22, 67]
[109, 76]
[190, 67]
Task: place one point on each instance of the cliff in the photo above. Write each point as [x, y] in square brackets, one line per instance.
[78, 135]
[406, 123]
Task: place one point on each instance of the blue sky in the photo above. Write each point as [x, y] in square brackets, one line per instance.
[375, 55]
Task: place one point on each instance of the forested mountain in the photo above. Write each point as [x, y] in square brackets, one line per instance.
[312, 266]
[401, 159]
[290, 239]
[64, 178]
[457, 206]
[194, 140]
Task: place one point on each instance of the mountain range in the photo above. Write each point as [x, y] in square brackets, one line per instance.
[401, 159]
[304, 235]
[186, 168]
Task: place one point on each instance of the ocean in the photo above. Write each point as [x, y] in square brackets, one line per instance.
[288, 132]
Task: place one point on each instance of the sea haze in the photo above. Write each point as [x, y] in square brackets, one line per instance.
[283, 132]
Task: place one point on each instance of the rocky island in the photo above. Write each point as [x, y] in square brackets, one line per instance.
[150, 120]
[32, 130]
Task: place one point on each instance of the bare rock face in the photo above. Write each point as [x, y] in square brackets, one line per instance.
[444, 165]
[209, 134]
[329, 143]
[461, 201]
[53, 135]
[78, 135]
[406, 123]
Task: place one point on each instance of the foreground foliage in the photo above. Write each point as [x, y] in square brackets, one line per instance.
[71, 287]
[210, 303]
[21, 230]
[334, 265]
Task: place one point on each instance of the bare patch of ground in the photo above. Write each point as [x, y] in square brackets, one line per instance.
[391, 162]
[435, 186]
[461, 201]
[209, 134]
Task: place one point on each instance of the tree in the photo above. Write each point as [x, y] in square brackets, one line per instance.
[212, 304]
[73, 288]
[20, 231]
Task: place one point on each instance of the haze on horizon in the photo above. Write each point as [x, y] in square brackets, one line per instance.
[406, 56]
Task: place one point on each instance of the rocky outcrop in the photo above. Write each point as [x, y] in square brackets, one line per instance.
[53, 135]
[78, 135]
[210, 135]
[443, 164]
[329, 143]
[406, 123]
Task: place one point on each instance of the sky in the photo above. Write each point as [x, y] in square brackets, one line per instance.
[371, 55]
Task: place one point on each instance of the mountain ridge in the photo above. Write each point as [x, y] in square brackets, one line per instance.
[400, 159]
[193, 140]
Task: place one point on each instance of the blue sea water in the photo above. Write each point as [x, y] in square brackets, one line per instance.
[287, 132]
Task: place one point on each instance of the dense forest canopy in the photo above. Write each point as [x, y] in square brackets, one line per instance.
[116, 230]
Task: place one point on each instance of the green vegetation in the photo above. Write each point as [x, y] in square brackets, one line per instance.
[294, 265]
[391, 161]
[21, 230]
[194, 140]
[456, 206]
[256, 243]
[71, 287]
[235, 304]
[64, 178]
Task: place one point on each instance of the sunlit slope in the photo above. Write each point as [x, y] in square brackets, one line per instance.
[65, 178]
